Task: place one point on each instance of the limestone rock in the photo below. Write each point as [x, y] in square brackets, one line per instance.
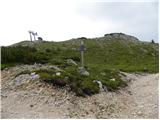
[58, 74]
[71, 61]
[55, 68]
[83, 71]
[102, 88]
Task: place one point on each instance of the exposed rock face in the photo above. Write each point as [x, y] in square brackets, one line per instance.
[22, 79]
[121, 36]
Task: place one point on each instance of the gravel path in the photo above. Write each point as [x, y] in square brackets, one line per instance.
[35, 99]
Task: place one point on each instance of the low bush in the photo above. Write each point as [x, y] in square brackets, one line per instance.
[112, 80]
[75, 58]
[81, 85]
[22, 55]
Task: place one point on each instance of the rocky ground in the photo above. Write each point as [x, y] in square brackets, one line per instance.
[23, 96]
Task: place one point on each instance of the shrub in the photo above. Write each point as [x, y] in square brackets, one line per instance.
[89, 87]
[108, 81]
[48, 50]
[81, 85]
[75, 58]
[21, 54]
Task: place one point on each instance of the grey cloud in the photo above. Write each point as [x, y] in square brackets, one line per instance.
[139, 18]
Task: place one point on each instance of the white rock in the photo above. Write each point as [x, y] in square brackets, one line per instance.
[54, 67]
[33, 73]
[100, 85]
[58, 73]
[113, 79]
[82, 71]
[71, 61]
[35, 76]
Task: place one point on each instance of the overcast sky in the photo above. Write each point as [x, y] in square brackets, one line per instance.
[59, 20]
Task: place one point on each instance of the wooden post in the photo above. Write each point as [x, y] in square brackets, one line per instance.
[82, 54]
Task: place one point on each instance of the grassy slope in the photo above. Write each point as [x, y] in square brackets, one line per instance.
[103, 59]
[110, 54]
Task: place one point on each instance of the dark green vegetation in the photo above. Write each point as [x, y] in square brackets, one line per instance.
[80, 84]
[22, 55]
[104, 57]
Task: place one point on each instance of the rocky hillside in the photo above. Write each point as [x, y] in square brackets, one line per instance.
[104, 58]
[113, 51]
[43, 79]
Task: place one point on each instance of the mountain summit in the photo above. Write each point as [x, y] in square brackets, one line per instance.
[120, 36]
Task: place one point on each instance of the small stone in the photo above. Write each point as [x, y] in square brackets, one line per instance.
[129, 92]
[31, 105]
[35, 76]
[58, 74]
[3, 96]
[33, 73]
[71, 61]
[139, 113]
[83, 71]
[105, 88]
[113, 79]
[54, 67]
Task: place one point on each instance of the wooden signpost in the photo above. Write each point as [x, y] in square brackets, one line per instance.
[82, 49]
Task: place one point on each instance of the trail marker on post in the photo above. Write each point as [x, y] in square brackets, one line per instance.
[82, 49]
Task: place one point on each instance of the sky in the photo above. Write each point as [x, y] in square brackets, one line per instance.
[59, 20]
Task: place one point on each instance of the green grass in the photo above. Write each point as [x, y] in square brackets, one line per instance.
[110, 54]
[82, 85]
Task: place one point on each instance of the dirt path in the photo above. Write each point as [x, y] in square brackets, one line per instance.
[36, 99]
